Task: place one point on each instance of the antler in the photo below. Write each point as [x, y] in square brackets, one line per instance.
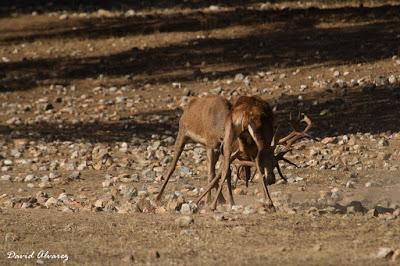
[296, 135]
[287, 142]
[290, 139]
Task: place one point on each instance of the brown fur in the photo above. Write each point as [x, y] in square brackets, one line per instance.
[203, 121]
[248, 112]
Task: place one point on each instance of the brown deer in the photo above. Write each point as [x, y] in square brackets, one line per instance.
[202, 121]
[246, 159]
[251, 123]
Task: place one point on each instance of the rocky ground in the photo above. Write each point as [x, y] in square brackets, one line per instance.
[89, 105]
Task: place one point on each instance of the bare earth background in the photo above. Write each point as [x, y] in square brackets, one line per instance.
[90, 97]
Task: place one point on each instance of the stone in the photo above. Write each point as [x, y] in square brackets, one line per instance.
[128, 192]
[67, 209]
[396, 255]
[392, 79]
[11, 237]
[303, 87]
[145, 205]
[324, 112]
[239, 77]
[142, 193]
[148, 174]
[184, 221]
[380, 210]
[160, 210]
[129, 259]
[335, 194]
[370, 184]
[249, 210]
[219, 216]
[107, 183]
[240, 191]
[29, 178]
[45, 184]
[384, 156]
[356, 206]
[383, 253]
[5, 178]
[8, 162]
[51, 202]
[183, 170]
[317, 247]
[175, 202]
[381, 81]
[99, 203]
[336, 74]
[63, 197]
[237, 208]
[75, 175]
[185, 209]
[240, 230]
[350, 184]
[26, 205]
[63, 17]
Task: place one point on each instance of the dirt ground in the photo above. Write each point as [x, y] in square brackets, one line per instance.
[90, 99]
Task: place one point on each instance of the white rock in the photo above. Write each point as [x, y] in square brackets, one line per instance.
[184, 221]
[392, 79]
[51, 202]
[107, 183]
[5, 178]
[8, 162]
[383, 253]
[29, 178]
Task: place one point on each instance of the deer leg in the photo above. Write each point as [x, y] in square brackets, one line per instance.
[228, 141]
[236, 178]
[290, 162]
[179, 145]
[243, 172]
[220, 196]
[247, 174]
[212, 160]
[253, 175]
[211, 185]
[266, 192]
[229, 187]
[280, 172]
[213, 206]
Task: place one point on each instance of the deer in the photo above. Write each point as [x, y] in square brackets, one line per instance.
[243, 163]
[202, 121]
[251, 124]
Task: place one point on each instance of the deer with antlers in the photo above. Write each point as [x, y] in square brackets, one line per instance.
[204, 121]
[251, 124]
[246, 159]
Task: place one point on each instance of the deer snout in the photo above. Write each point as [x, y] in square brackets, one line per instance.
[270, 176]
[266, 160]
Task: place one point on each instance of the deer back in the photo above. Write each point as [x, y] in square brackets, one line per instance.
[203, 119]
